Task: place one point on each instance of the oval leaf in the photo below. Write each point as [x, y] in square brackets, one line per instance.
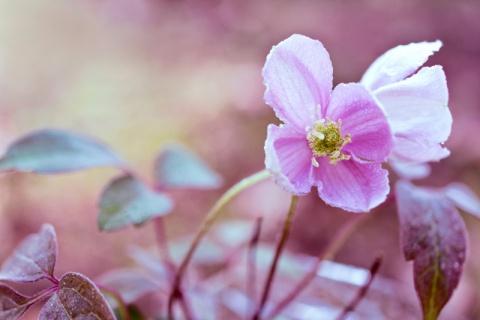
[33, 259]
[434, 237]
[127, 201]
[55, 151]
[12, 304]
[177, 167]
[76, 298]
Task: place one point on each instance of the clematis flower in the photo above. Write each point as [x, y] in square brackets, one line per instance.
[416, 104]
[332, 140]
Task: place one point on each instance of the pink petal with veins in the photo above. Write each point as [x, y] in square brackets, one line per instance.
[298, 76]
[418, 106]
[289, 159]
[352, 186]
[363, 120]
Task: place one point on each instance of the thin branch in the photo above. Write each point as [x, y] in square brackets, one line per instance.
[42, 294]
[273, 267]
[252, 269]
[363, 290]
[342, 235]
[186, 310]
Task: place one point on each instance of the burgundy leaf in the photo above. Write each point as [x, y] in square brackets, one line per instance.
[434, 237]
[177, 167]
[33, 259]
[12, 304]
[77, 298]
[126, 201]
[54, 151]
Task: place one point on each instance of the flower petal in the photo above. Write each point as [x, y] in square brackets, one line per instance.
[417, 107]
[408, 151]
[363, 120]
[289, 159]
[410, 170]
[398, 63]
[351, 185]
[463, 197]
[298, 76]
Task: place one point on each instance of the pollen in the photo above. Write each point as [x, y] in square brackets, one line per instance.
[325, 140]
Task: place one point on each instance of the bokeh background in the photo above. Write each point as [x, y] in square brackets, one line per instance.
[139, 73]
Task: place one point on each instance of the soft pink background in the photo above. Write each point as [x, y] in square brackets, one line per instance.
[139, 73]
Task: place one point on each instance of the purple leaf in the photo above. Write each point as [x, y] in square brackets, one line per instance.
[127, 201]
[33, 259]
[76, 298]
[177, 167]
[12, 304]
[434, 237]
[55, 151]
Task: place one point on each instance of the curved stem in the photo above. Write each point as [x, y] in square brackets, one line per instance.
[273, 268]
[329, 253]
[212, 216]
[52, 279]
[43, 294]
[186, 309]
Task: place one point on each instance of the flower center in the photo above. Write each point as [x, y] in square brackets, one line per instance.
[325, 139]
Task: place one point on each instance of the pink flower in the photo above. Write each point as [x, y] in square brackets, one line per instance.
[416, 105]
[332, 140]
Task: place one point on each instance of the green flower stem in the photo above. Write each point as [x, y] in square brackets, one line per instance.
[273, 267]
[329, 253]
[212, 216]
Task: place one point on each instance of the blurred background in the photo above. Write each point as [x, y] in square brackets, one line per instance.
[139, 73]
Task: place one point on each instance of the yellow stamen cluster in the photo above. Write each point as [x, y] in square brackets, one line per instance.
[325, 139]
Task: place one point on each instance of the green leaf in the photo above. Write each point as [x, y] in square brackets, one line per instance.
[177, 167]
[127, 201]
[51, 151]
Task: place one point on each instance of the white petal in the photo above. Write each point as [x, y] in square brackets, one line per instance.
[410, 170]
[398, 63]
[463, 197]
